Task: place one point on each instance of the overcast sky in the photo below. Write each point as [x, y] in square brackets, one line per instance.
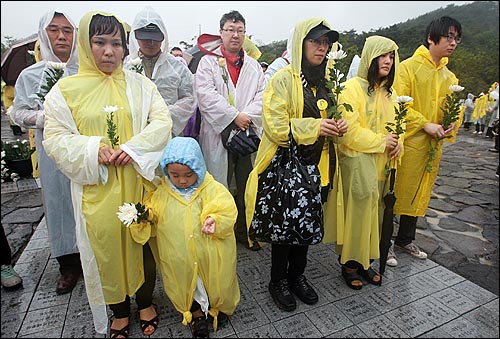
[267, 21]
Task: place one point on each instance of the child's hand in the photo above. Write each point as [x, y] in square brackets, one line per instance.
[208, 226]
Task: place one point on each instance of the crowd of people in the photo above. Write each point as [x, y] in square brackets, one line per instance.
[111, 132]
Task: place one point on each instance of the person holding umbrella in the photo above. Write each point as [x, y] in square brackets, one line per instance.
[364, 152]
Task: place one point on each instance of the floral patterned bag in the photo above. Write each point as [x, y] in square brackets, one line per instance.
[288, 208]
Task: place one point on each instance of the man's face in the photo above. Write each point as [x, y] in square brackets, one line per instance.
[233, 36]
[61, 34]
[149, 48]
[176, 52]
[447, 44]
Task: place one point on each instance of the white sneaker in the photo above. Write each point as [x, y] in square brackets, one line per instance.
[415, 251]
[391, 257]
[475, 132]
[480, 132]
[10, 279]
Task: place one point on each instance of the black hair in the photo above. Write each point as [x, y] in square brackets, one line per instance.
[176, 49]
[101, 24]
[373, 79]
[233, 16]
[439, 27]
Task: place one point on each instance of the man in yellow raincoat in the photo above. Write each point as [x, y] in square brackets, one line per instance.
[106, 128]
[424, 77]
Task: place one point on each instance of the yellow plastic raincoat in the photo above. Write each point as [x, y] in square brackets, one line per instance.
[480, 108]
[282, 109]
[427, 83]
[363, 158]
[75, 126]
[183, 252]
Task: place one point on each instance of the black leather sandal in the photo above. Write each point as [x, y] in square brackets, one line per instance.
[369, 276]
[113, 333]
[146, 323]
[349, 277]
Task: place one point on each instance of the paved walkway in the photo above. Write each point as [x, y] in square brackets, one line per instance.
[417, 299]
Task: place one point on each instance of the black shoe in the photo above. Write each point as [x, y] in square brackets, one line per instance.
[282, 296]
[199, 327]
[494, 150]
[301, 288]
[66, 283]
[254, 247]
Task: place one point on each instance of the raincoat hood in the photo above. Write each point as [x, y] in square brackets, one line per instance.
[87, 61]
[300, 31]
[47, 54]
[145, 17]
[185, 151]
[374, 47]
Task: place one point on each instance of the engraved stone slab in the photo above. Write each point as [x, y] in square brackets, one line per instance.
[39, 320]
[474, 292]
[413, 323]
[8, 187]
[445, 275]
[335, 289]
[381, 327]
[26, 184]
[426, 283]
[48, 298]
[248, 316]
[350, 332]
[297, 326]
[16, 302]
[486, 320]
[436, 311]
[36, 254]
[357, 309]
[328, 319]
[11, 322]
[438, 332]
[462, 328]
[456, 301]
[265, 331]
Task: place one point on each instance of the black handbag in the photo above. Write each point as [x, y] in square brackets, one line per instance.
[288, 208]
[239, 142]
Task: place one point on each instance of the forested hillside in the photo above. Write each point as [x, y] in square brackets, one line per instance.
[475, 61]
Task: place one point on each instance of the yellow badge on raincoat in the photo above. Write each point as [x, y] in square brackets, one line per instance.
[322, 104]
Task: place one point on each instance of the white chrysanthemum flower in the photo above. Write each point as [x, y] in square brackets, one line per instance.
[456, 88]
[127, 213]
[135, 62]
[110, 109]
[57, 65]
[403, 99]
[338, 55]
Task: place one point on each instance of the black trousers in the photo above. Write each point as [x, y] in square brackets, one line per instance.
[144, 295]
[241, 167]
[70, 263]
[6, 254]
[288, 261]
[407, 230]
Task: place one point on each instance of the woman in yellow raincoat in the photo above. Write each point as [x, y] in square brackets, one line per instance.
[296, 100]
[194, 218]
[106, 128]
[364, 152]
[424, 77]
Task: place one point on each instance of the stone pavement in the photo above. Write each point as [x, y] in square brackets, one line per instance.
[452, 294]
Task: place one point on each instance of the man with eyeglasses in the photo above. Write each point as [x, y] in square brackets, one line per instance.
[229, 85]
[58, 44]
[424, 77]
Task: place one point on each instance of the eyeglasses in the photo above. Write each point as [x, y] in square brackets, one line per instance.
[450, 37]
[232, 31]
[317, 42]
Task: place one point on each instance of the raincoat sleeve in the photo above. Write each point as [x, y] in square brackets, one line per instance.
[280, 114]
[219, 204]
[27, 104]
[76, 155]
[359, 136]
[176, 85]
[415, 120]
[152, 126]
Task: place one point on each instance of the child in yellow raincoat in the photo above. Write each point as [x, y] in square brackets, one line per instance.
[195, 246]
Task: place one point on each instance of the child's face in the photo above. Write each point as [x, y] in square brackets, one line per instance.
[181, 175]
